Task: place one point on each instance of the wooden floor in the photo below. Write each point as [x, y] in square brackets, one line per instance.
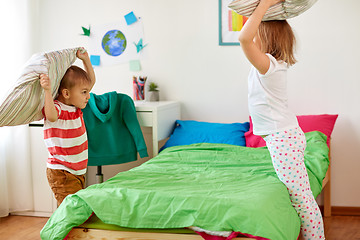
[28, 228]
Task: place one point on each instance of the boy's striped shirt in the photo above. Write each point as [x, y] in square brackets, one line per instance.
[66, 140]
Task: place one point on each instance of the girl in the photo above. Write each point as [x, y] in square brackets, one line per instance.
[269, 48]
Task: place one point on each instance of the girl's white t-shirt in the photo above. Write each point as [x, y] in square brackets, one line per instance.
[267, 99]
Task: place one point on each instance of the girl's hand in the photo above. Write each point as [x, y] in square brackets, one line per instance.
[273, 2]
[45, 82]
[82, 54]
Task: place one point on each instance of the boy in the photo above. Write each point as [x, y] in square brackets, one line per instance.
[64, 128]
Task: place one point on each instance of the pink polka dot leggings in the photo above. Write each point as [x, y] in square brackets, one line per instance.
[287, 153]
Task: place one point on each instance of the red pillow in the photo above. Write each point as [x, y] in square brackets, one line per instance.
[323, 123]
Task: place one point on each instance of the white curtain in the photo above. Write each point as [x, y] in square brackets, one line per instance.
[16, 191]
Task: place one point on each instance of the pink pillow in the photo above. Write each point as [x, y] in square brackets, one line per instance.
[323, 123]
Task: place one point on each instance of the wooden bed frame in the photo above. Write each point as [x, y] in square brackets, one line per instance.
[88, 233]
[83, 233]
[326, 186]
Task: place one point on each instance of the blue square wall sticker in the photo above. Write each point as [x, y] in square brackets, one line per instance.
[95, 60]
[130, 18]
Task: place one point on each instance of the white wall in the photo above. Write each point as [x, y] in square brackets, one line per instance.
[184, 58]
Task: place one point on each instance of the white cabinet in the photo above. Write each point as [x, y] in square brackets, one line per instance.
[160, 116]
[44, 200]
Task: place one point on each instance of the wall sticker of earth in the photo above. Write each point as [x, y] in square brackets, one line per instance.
[114, 43]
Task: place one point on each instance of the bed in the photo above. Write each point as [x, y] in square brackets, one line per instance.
[206, 190]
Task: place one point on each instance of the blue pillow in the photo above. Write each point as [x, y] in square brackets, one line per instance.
[189, 132]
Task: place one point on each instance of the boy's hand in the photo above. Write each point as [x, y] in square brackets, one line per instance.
[82, 54]
[45, 82]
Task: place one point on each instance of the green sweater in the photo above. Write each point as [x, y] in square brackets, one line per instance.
[114, 133]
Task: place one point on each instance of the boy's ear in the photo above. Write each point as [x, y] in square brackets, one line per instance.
[65, 93]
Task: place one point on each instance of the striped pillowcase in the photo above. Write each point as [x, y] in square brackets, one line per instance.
[280, 11]
[25, 100]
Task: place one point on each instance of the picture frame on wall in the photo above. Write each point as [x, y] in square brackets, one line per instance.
[230, 24]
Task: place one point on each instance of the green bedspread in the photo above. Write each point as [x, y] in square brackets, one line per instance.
[216, 187]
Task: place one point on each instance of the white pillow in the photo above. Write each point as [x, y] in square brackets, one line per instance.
[25, 100]
[280, 11]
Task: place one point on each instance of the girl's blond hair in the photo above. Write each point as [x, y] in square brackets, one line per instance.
[278, 39]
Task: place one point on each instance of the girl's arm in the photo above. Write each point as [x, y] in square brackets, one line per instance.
[252, 49]
[84, 57]
[51, 113]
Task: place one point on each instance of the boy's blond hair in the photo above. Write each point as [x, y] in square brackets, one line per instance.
[278, 39]
[73, 75]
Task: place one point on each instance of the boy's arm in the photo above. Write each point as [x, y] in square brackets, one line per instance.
[50, 111]
[84, 57]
